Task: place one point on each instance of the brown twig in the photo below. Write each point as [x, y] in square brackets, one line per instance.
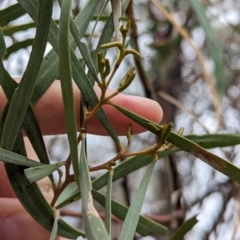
[178, 104]
[134, 36]
[208, 78]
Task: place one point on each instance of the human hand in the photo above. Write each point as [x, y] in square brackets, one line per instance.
[15, 222]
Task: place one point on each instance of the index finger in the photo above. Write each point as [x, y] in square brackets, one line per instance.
[49, 111]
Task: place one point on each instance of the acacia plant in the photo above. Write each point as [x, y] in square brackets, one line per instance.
[93, 68]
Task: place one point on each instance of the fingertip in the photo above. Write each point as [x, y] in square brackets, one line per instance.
[141, 106]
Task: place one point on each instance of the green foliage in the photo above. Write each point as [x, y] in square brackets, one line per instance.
[62, 62]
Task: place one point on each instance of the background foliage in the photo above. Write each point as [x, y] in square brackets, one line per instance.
[191, 67]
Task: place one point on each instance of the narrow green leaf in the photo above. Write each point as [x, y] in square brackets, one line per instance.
[3, 49]
[68, 191]
[215, 140]
[131, 220]
[145, 225]
[84, 50]
[32, 129]
[213, 45]
[23, 93]
[108, 204]
[65, 73]
[47, 74]
[30, 123]
[94, 225]
[11, 13]
[214, 161]
[14, 158]
[10, 30]
[97, 19]
[53, 235]
[19, 141]
[18, 45]
[186, 227]
[211, 159]
[35, 174]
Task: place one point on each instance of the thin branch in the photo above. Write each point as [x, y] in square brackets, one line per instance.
[178, 104]
[209, 79]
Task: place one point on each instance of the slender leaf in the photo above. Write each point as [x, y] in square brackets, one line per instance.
[108, 204]
[11, 13]
[53, 235]
[30, 124]
[214, 161]
[97, 19]
[34, 134]
[10, 30]
[145, 225]
[19, 45]
[3, 49]
[94, 225]
[68, 191]
[23, 93]
[65, 72]
[35, 174]
[47, 74]
[215, 140]
[84, 51]
[14, 158]
[186, 227]
[213, 45]
[131, 220]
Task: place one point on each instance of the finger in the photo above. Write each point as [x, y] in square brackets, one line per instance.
[50, 114]
[17, 224]
[144, 107]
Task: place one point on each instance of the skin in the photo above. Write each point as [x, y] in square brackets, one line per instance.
[15, 222]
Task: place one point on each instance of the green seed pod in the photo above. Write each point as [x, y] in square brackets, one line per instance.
[111, 45]
[153, 128]
[133, 52]
[124, 29]
[100, 58]
[180, 131]
[107, 67]
[166, 132]
[128, 26]
[127, 79]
